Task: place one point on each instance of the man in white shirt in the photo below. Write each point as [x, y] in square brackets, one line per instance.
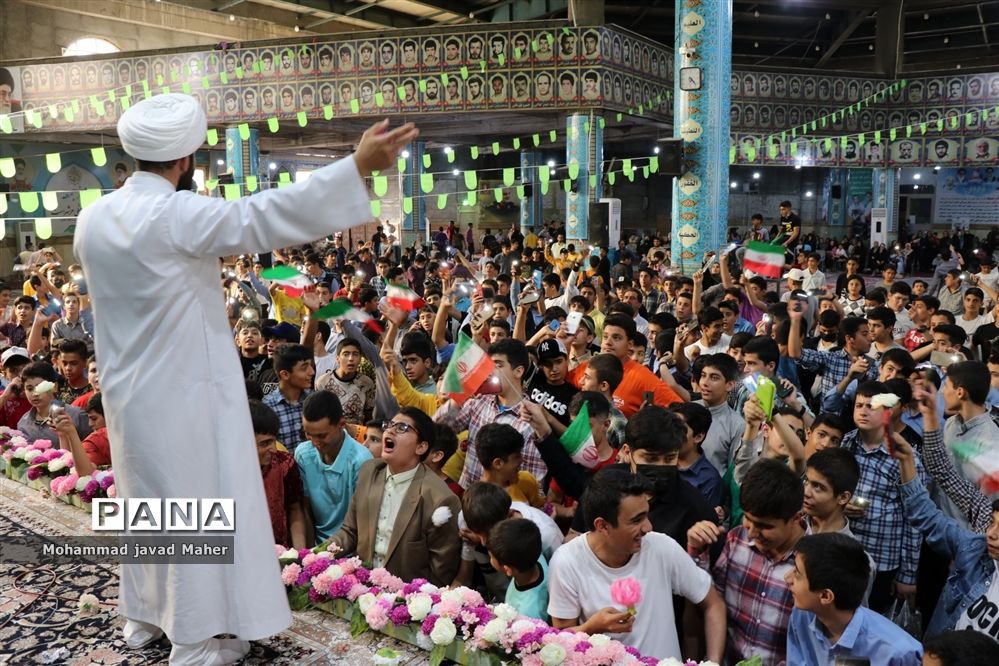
[621, 544]
[713, 338]
[814, 279]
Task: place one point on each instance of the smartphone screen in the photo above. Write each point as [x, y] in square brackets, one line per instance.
[554, 325]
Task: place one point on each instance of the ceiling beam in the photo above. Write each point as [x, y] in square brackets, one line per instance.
[985, 30]
[888, 54]
[855, 22]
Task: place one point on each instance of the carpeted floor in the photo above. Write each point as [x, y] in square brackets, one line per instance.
[40, 623]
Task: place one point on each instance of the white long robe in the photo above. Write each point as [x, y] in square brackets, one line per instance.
[173, 388]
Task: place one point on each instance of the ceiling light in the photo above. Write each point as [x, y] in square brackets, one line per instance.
[946, 40]
[870, 47]
[756, 45]
[454, 172]
[551, 163]
[733, 184]
[297, 28]
[272, 166]
[447, 149]
[756, 14]
[936, 168]
[926, 17]
[756, 175]
[817, 48]
[797, 167]
[827, 16]
[551, 171]
[220, 162]
[915, 187]
[916, 176]
[959, 65]
[656, 150]
[809, 194]
[232, 17]
[405, 154]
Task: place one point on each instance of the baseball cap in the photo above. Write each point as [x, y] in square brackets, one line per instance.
[283, 331]
[795, 274]
[588, 322]
[12, 353]
[551, 349]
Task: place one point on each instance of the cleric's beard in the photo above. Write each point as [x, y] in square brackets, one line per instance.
[186, 181]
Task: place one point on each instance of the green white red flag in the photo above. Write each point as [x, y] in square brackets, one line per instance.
[764, 259]
[578, 441]
[470, 366]
[293, 281]
[341, 308]
[403, 298]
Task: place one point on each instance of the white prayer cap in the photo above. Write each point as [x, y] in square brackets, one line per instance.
[163, 128]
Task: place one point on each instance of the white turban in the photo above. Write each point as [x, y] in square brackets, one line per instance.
[163, 128]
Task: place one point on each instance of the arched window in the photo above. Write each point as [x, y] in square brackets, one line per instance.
[90, 46]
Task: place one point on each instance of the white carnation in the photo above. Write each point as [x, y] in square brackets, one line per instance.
[290, 554]
[366, 601]
[521, 627]
[453, 595]
[505, 612]
[81, 483]
[334, 572]
[493, 631]
[57, 465]
[552, 654]
[44, 387]
[882, 400]
[30, 456]
[443, 632]
[669, 661]
[596, 640]
[419, 606]
[440, 516]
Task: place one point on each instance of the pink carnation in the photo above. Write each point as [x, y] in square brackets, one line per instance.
[290, 572]
[356, 590]
[42, 444]
[448, 608]
[279, 549]
[383, 579]
[626, 592]
[470, 597]
[322, 583]
[112, 491]
[309, 559]
[377, 616]
[350, 564]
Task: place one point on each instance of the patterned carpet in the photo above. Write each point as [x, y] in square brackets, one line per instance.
[40, 622]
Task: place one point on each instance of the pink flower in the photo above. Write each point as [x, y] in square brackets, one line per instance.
[279, 549]
[383, 579]
[112, 491]
[308, 559]
[377, 616]
[42, 444]
[350, 564]
[626, 592]
[448, 608]
[290, 572]
[471, 597]
[322, 583]
[356, 590]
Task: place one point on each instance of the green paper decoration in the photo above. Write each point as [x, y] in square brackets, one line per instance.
[536, 140]
[566, 185]
[426, 160]
[502, 59]
[593, 181]
[232, 191]
[441, 201]
[553, 136]
[355, 106]
[99, 156]
[376, 208]
[619, 116]
[508, 176]
[244, 131]
[496, 147]
[471, 198]
[474, 151]
[422, 85]
[303, 119]
[520, 191]
[251, 183]
[574, 170]
[922, 128]
[402, 93]
[471, 180]
[654, 164]
[67, 113]
[751, 153]
[892, 134]
[794, 149]
[601, 122]
[645, 172]
[464, 72]
[407, 205]
[625, 166]
[223, 77]
[7, 168]
[611, 178]
[731, 155]
[185, 87]
[516, 143]
[53, 162]
[3, 209]
[380, 185]
[498, 194]
[400, 164]
[908, 131]
[50, 201]
[427, 182]
[211, 184]
[43, 228]
[273, 124]
[213, 136]
[544, 188]
[543, 173]
[28, 201]
[379, 99]
[877, 136]
[328, 112]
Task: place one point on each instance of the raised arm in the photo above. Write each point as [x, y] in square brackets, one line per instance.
[698, 286]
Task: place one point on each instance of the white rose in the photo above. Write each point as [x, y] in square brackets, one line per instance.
[493, 631]
[366, 601]
[596, 640]
[29, 456]
[443, 632]
[882, 400]
[334, 572]
[57, 465]
[81, 483]
[440, 516]
[669, 661]
[419, 606]
[505, 612]
[552, 654]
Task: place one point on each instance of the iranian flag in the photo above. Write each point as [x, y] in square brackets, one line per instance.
[764, 259]
[980, 463]
[403, 298]
[341, 308]
[470, 366]
[292, 280]
[578, 442]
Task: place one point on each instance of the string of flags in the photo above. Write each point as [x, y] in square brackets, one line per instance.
[631, 168]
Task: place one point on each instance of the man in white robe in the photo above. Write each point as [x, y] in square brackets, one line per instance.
[174, 395]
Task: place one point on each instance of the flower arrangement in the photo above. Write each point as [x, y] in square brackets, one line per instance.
[45, 462]
[439, 618]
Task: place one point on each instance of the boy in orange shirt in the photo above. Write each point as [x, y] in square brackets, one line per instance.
[499, 448]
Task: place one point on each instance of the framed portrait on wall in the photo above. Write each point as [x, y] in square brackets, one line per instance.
[567, 51]
[327, 95]
[307, 63]
[763, 117]
[780, 86]
[452, 51]
[568, 89]
[520, 54]
[827, 152]
[955, 90]
[390, 98]
[850, 152]
[628, 99]
[326, 59]
[231, 104]
[544, 85]
[409, 58]
[852, 90]
[591, 45]
[288, 99]
[213, 104]
[780, 117]
[981, 150]
[545, 51]
[943, 151]
[976, 88]
[387, 54]
[288, 64]
[498, 94]
[994, 86]
[474, 50]
[268, 100]
[808, 88]
[794, 87]
[934, 91]
[91, 79]
[867, 89]
[905, 151]
[915, 93]
[839, 90]
[748, 144]
[307, 98]
[249, 101]
[475, 95]
[346, 91]
[763, 85]
[410, 94]
[749, 85]
[749, 115]
[453, 93]
[497, 48]
[366, 60]
[267, 66]
[794, 116]
[646, 64]
[824, 88]
[627, 48]
[735, 85]
[433, 96]
[431, 56]
[616, 50]
[345, 62]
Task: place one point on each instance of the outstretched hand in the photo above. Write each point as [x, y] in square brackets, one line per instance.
[379, 146]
